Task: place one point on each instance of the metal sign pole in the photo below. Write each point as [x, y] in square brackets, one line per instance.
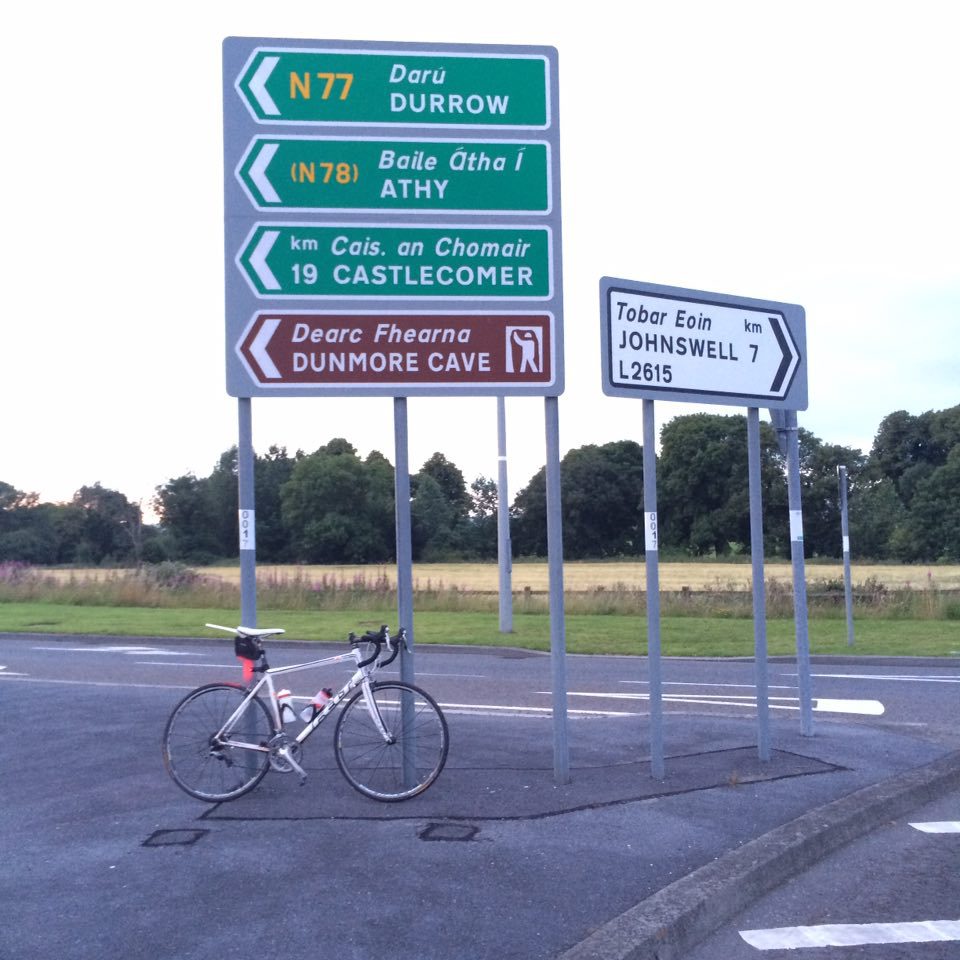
[404, 583]
[845, 533]
[504, 550]
[404, 536]
[247, 514]
[652, 555]
[799, 576]
[759, 585]
[558, 638]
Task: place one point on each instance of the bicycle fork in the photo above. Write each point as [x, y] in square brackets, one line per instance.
[374, 712]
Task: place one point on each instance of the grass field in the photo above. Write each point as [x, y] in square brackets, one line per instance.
[591, 576]
[585, 633]
[706, 607]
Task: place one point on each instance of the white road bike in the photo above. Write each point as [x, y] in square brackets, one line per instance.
[390, 740]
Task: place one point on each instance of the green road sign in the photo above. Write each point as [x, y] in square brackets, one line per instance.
[413, 89]
[376, 261]
[320, 173]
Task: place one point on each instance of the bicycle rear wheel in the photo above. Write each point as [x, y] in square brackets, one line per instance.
[204, 768]
[414, 755]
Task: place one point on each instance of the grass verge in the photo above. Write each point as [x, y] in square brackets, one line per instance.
[585, 633]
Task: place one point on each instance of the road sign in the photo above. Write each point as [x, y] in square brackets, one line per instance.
[360, 353]
[675, 344]
[356, 173]
[371, 261]
[322, 173]
[334, 86]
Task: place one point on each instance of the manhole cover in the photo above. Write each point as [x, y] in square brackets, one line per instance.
[449, 831]
[174, 838]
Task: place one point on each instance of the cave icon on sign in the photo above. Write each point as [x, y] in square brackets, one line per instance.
[524, 353]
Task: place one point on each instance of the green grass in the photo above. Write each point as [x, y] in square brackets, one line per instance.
[585, 633]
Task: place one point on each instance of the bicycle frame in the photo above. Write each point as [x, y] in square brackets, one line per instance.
[362, 677]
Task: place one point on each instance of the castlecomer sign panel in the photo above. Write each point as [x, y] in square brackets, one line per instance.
[668, 343]
[392, 219]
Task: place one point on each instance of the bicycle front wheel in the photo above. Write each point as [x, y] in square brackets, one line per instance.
[211, 768]
[413, 753]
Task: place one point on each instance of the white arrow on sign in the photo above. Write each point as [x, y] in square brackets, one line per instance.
[258, 172]
[258, 348]
[258, 259]
[670, 345]
[258, 86]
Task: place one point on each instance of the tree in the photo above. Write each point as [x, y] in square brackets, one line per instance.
[931, 530]
[334, 508]
[601, 504]
[271, 472]
[27, 529]
[101, 526]
[451, 482]
[905, 450]
[876, 512]
[439, 508]
[187, 519]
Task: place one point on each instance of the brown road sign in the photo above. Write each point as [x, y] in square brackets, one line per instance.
[427, 353]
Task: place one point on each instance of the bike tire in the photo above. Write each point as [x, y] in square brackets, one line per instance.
[404, 767]
[195, 765]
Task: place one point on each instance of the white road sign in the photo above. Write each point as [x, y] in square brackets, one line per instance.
[675, 344]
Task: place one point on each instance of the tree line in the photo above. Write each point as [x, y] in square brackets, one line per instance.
[333, 506]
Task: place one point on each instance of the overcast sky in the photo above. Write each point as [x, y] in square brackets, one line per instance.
[805, 153]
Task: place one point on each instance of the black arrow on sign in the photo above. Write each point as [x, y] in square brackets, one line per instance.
[787, 355]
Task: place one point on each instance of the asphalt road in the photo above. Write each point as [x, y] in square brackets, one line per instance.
[892, 895]
[103, 856]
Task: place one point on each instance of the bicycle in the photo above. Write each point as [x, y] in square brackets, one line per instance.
[390, 740]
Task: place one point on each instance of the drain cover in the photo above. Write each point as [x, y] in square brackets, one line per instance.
[449, 831]
[174, 838]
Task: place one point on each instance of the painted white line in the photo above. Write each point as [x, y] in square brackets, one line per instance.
[869, 708]
[943, 826]
[731, 686]
[4, 674]
[865, 708]
[881, 676]
[853, 934]
[467, 676]
[103, 683]
[126, 650]
[495, 710]
[194, 666]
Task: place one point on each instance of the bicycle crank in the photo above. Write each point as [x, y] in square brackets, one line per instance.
[285, 755]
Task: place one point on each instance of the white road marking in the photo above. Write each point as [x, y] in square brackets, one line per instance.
[4, 674]
[882, 676]
[104, 683]
[870, 708]
[194, 665]
[732, 686]
[943, 826]
[852, 934]
[467, 709]
[495, 710]
[126, 650]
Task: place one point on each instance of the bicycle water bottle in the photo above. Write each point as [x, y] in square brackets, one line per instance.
[319, 702]
[287, 713]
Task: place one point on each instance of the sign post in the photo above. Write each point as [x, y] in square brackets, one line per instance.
[670, 343]
[392, 228]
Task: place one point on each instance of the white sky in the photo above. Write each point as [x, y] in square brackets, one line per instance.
[806, 153]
